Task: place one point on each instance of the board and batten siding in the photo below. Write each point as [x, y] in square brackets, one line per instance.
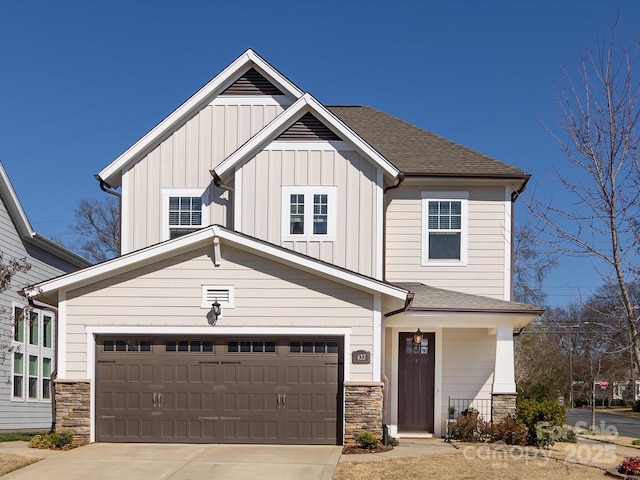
[468, 360]
[183, 160]
[356, 242]
[484, 273]
[16, 415]
[168, 294]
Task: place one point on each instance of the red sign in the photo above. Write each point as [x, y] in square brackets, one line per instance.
[604, 383]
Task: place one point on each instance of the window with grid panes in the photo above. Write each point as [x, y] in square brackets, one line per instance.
[444, 223]
[309, 213]
[32, 360]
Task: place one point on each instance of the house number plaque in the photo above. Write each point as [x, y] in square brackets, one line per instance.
[361, 357]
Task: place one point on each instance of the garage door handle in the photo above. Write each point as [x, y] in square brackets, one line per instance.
[284, 399]
[155, 400]
[279, 399]
[159, 399]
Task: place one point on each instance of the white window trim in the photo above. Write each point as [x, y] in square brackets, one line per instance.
[183, 192]
[462, 197]
[27, 349]
[308, 192]
[224, 304]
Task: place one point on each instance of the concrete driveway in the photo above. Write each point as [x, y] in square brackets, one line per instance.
[106, 461]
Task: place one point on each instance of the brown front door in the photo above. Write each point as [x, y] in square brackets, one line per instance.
[416, 372]
[219, 390]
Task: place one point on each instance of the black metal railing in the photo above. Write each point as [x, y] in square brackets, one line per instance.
[466, 406]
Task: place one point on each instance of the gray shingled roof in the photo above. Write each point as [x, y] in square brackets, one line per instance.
[417, 152]
[428, 298]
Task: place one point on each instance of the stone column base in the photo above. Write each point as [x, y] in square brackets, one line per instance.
[73, 409]
[362, 409]
[502, 405]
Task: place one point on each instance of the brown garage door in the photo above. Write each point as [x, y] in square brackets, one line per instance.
[219, 390]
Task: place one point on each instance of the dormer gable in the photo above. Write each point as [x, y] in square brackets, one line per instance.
[304, 117]
[309, 128]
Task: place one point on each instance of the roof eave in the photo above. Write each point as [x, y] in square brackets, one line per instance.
[536, 312]
[501, 176]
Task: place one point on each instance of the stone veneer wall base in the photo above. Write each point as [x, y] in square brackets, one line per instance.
[502, 405]
[362, 409]
[73, 409]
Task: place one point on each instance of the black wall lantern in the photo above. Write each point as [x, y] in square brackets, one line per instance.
[216, 310]
[417, 337]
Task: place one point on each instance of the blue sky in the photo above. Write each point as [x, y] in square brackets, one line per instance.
[81, 81]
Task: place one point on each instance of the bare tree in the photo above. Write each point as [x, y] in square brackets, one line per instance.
[98, 228]
[530, 267]
[599, 135]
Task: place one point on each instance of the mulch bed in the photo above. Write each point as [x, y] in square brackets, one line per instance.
[355, 450]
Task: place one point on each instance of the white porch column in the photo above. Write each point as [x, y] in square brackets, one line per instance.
[504, 379]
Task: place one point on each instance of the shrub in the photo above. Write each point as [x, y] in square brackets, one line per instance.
[394, 442]
[567, 435]
[630, 466]
[636, 442]
[636, 406]
[52, 440]
[367, 440]
[470, 428]
[510, 431]
[617, 402]
[544, 421]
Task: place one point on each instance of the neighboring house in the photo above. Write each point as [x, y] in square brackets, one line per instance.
[291, 273]
[28, 344]
[628, 391]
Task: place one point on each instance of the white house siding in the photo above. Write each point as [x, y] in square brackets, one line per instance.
[468, 360]
[484, 273]
[183, 160]
[16, 415]
[168, 294]
[355, 243]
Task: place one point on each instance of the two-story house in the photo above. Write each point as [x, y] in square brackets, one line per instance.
[291, 273]
[27, 359]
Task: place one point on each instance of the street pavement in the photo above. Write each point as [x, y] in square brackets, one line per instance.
[606, 423]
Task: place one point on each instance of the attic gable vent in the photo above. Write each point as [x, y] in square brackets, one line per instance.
[223, 294]
[252, 83]
[308, 128]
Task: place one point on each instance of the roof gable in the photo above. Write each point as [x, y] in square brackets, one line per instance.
[235, 76]
[211, 235]
[305, 105]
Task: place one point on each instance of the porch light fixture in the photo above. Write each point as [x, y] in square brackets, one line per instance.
[417, 337]
[216, 310]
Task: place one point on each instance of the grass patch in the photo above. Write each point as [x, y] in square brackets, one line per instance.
[18, 436]
[636, 442]
[9, 462]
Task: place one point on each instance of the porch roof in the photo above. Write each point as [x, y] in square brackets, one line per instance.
[432, 299]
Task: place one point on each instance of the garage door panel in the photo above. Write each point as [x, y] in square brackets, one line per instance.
[229, 391]
[209, 402]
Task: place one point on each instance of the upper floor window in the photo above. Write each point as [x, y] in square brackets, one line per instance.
[308, 213]
[444, 220]
[184, 212]
[32, 357]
